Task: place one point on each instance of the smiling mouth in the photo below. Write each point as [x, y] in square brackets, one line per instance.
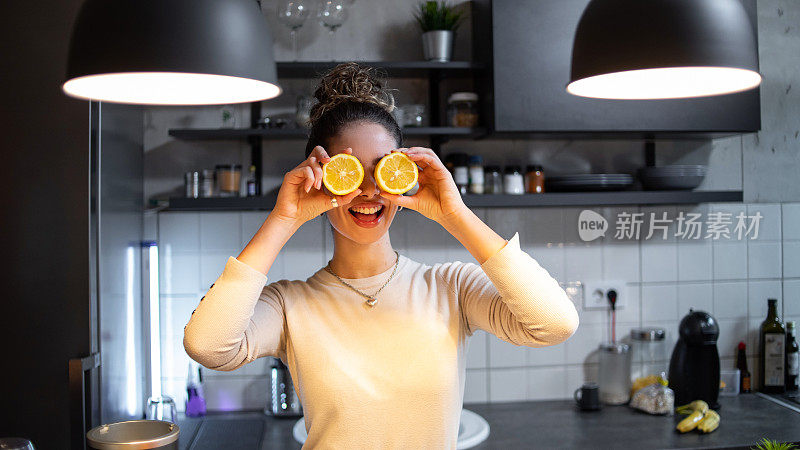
[366, 215]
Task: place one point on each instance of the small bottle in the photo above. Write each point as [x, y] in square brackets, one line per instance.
[513, 181]
[792, 357]
[191, 181]
[207, 183]
[493, 180]
[744, 374]
[535, 180]
[476, 178]
[461, 172]
[773, 352]
[251, 182]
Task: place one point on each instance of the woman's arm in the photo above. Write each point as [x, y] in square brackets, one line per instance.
[238, 319]
[509, 294]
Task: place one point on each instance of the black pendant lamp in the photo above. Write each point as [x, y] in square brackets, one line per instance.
[660, 49]
[171, 52]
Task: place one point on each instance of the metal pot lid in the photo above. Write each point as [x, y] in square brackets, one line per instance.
[133, 435]
[648, 334]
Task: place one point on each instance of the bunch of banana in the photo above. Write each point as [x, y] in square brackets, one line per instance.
[700, 416]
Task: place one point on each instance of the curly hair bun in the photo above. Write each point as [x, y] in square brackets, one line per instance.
[349, 82]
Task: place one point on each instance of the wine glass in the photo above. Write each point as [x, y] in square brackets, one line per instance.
[293, 14]
[332, 14]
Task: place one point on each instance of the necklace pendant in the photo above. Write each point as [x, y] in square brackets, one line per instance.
[371, 301]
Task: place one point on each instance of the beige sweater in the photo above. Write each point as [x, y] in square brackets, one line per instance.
[388, 376]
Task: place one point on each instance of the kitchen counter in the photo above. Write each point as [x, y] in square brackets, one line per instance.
[545, 424]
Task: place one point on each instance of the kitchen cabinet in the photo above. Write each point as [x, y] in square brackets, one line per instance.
[528, 47]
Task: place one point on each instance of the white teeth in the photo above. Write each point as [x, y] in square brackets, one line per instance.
[363, 210]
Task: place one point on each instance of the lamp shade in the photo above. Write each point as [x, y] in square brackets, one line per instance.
[658, 49]
[171, 52]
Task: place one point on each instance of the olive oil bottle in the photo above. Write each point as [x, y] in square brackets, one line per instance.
[773, 351]
[792, 354]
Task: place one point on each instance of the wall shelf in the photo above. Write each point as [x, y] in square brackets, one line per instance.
[395, 69]
[552, 199]
[205, 134]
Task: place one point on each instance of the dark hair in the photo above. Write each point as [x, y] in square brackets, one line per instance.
[346, 95]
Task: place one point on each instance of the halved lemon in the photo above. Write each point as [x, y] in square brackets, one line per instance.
[343, 174]
[396, 173]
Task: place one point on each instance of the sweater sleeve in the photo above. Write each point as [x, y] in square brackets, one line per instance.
[511, 296]
[237, 321]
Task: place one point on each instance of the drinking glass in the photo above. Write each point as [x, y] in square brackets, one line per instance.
[332, 14]
[161, 408]
[293, 14]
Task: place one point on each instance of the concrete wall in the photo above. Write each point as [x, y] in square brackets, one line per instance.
[729, 278]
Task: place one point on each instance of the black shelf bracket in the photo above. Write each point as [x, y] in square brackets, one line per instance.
[649, 153]
[256, 144]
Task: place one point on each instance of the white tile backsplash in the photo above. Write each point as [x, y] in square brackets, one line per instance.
[621, 262]
[546, 383]
[179, 272]
[764, 259]
[251, 222]
[583, 262]
[728, 278]
[508, 385]
[476, 350]
[220, 231]
[730, 260]
[791, 295]
[790, 214]
[212, 263]
[659, 302]
[697, 296]
[695, 259]
[659, 262]
[731, 332]
[758, 292]
[791, 259]
[179, 231]
[730, 300]
[476, 386]
[505, 354]
[769, 227]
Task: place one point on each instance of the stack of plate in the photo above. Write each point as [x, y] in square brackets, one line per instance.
[589, 182]
[678, 177]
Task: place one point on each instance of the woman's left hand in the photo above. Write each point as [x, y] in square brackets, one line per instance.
[437, 198]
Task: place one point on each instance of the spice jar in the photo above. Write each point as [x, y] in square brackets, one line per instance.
[207, 183]
[493, 180]
[460, 171]
[229, 177]
[462, 109]
[535, 179]
[475, 174]
[513, 181]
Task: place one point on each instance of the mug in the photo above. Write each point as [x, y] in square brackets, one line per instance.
[588, 397]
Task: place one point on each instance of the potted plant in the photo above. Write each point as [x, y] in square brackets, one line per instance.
[439, 21]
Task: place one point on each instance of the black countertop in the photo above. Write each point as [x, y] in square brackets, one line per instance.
[745, 419]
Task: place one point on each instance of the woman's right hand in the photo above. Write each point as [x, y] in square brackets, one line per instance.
[302, 195]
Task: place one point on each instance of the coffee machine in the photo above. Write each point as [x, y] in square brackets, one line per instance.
[694, 367]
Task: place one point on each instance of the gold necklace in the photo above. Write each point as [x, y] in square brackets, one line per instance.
[370, 298]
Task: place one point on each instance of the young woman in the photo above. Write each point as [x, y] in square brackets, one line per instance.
[375, 342]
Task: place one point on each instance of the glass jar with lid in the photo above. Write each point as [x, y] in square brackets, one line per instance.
[649, 353]
[462, 109]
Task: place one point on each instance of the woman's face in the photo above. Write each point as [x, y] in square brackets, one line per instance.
[367, 218]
